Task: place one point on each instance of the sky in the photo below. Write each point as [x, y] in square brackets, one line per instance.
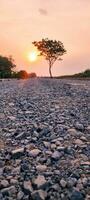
[25, 21]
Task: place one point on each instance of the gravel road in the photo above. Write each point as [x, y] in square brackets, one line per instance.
[45, 139]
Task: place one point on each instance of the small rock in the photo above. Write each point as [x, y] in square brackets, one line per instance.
[72, 131]
[79, 186]
[78, 142]
[48, 153]
[9, 191]
[53, 146]
[12, 118]
[56, 187]
[16, 170]
[88, 129]
[46, 144]
[13, 182]
[84, 181]
[17, 153]
[76, 195]
[20, 195]
[87, 197]
[4, 184]
[58, 143]
[60, 148]
[27, 187]
[83, 138]
[34, 153]
[63, 183]
[79, 127]
[41, 168]
[40, 182]
[85, 163]
[39, 195]
[56, 155]
[11, 104]
[20, 136]
[71, 182]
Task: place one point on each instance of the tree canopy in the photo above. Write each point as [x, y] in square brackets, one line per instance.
[22, 74]
[52, 50]
[6, 66]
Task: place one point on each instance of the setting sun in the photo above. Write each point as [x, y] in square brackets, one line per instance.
[32, 56]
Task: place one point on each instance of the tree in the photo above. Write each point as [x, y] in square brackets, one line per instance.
[52, 50]
[32, 75]
[6, 66]
[22, 74]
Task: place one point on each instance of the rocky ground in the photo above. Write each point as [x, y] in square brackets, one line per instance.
[44, 139]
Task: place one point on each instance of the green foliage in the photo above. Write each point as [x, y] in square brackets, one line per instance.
[22, 74]
[86, 74]
[52, 50]
[6, 66]
[81, 75]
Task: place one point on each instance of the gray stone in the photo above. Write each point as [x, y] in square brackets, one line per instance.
[17, 153]
[46, 144]
[13, 181]
[56, 155]
[4, 183]
[39, 195]
[63, 183]
[27, 187]
[79, 126]
[78, 142]
[20, 136]
[71, 182]
[88, 129]
[20, 195]
[41, 168]
[34, 153]
[11, 191]
[40, 182]
[76, 195]
[72, 131]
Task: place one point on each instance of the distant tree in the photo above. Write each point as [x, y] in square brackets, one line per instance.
[85, 74]
[22, 74]
[52, 50]
[32, 75]
[6, 66]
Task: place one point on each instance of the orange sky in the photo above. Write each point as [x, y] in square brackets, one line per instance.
[23, 21]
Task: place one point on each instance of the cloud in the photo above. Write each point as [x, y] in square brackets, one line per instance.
[43, 11]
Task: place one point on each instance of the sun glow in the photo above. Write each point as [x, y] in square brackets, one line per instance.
[32, 56]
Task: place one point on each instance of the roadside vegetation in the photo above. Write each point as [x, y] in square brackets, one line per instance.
[7, 69]
[81, 75]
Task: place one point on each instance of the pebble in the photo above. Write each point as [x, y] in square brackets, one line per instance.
[78, 142]
[63, 183]
[76, 195]
[56, 155]
[20, 195]
[39, 195]
[17, 153]
[9, 191]
[44, 139]
[40, 182]
[79, 127]
[27, 186]
[34, 153]
[4, 184]
[41, 168]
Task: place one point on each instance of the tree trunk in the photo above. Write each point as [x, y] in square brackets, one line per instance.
[50, 72]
